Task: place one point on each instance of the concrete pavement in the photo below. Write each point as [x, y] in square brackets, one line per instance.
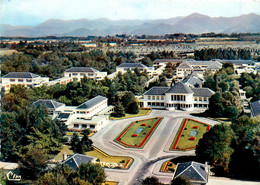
[155, 151]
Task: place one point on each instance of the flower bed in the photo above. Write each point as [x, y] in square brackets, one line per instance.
[143, 124]
[185, 139]
[129, 139]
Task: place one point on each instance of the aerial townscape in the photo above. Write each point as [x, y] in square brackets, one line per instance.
[148, 100]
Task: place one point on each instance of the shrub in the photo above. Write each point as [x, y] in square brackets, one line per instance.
[192, 138]
[143, 124]
[134, 135]
[196, 127]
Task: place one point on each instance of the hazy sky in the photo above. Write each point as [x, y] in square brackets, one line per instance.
[33, 12]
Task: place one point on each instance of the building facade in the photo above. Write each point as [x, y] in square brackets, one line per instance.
[178, 97]
[23, 78]
[124, 67]
[77, 73]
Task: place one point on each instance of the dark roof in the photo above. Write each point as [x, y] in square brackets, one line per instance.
[193, 171]
[76, 160]
[63, 115]
[192, 80]
[168, 60]
[157, 91]
[49, 104]
[82, 69]
[238, 62]
[203, 92]
[180, 88]
[92, 102]
[255, 108]
[132, 65]
[184, 65]
[20, 75]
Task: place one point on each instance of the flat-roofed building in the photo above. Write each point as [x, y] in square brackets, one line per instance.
[23, 78]
[77, 73]
[92, 114]
[255, 108]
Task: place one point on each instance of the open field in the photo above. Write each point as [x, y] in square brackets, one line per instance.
[142, 112]
[138, 133]
[189, 134]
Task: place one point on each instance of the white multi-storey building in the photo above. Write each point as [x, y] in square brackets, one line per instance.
[24, 78]
[92, 114]
[77, 73]
[178, 97]
[242, 66]
[190, 66]
[132, 66]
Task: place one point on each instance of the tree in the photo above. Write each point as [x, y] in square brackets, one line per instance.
[181, 181]
[151, 181]
[231, 112]
[74, 142]
[92, 173]
[133, 108]
[86, 142]
[119, 110]
[215, 147]
[33, 163]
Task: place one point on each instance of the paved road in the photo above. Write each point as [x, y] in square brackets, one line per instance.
[154, 152]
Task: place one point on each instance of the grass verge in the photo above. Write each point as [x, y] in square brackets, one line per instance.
[142, 112]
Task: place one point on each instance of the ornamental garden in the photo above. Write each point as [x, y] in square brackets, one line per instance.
[138, 133]
[189, 134]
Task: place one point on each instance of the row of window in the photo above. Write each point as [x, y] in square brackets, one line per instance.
[82, 74]
[85, 126]
[21, 80]
[178, 105]
[200, 99]
[156, 104]
[201, 105]
[178, 97]
[155, 97]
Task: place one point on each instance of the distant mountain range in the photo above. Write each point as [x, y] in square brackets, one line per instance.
[194, 23]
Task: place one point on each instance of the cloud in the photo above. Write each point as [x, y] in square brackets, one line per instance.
[31, 12]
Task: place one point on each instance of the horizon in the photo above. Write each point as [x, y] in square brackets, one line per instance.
[32, 13]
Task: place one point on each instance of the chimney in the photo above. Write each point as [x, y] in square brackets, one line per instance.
[65, 156]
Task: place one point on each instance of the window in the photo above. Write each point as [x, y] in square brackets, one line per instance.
[153, 97]
[74, 74]
[12, 80]
[92, 126]
[162, 97]
[149, 103]
[195, 98]
[76, 125]
[205, 99]
[149, 97]
[84, 126]
[200, 98]
[29, 80]
[158, 97]
[20, 80]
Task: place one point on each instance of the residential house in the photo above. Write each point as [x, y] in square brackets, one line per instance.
[197, 173]
[76, 160]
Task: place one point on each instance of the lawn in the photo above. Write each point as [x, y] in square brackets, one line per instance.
[138, 133]
[142, 112]
[102, 156]
[189, 134]
[168, 167]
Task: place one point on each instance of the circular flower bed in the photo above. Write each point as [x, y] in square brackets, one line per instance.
[134, 135]
[196, 127]
[143, 124]
[192, 138]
